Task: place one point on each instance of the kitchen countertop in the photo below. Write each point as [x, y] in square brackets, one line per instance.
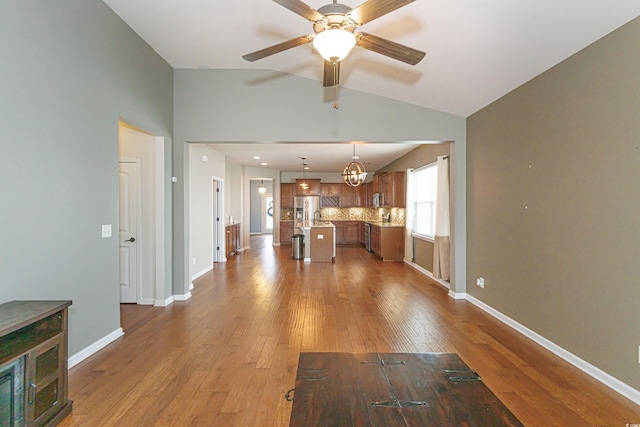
[323, 224]
[331, 224]
[384, 224]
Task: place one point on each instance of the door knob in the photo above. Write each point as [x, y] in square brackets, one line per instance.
[133, 239]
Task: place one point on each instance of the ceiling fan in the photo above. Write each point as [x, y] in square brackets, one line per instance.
[333, 38]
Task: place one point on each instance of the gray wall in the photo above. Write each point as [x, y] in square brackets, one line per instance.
[201, 175]
[554, 204]
[260, 105]
[70, 70]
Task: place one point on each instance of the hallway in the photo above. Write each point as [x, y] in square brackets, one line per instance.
[227, 356]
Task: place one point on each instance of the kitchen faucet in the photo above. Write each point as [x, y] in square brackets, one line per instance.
[314, 217]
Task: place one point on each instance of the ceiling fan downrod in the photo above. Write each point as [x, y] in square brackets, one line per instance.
[334, 60]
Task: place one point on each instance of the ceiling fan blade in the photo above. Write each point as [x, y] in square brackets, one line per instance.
[373, 9]
[301, 9]
[388, 48]
[331, 76]
[276, 48]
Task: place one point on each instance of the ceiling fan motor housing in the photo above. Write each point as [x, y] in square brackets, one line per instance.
[335, 17]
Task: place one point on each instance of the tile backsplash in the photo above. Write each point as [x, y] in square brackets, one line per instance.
[353, 214]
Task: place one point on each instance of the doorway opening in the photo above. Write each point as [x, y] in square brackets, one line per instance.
[142, 253]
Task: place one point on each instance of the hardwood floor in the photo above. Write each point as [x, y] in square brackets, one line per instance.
[227, 356]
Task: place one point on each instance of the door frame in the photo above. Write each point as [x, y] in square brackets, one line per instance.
[159, 185]
[217, 222]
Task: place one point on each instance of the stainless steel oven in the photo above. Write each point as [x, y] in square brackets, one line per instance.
[367, 236]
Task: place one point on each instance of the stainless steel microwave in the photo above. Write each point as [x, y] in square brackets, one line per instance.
[378, 200]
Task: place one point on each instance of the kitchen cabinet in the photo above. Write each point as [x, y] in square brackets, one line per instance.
[286, 232]
[346, 196]
[330, 189]
[392, 185]
[37, 332]
[313, 187]
[375, 240]
[375, 184]
[287, 191]
[388, 242]
[347, 232]
[363, 195]
[232, 235]
[352, 232]
[330, 195]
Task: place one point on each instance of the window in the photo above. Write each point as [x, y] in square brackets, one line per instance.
[425, 188]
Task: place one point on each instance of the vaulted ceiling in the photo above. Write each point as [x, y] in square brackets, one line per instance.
[476, 51]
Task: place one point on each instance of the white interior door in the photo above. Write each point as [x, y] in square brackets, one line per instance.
[129, 201]
[267, 211]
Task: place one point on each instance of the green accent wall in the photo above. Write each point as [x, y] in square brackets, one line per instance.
[70, 70]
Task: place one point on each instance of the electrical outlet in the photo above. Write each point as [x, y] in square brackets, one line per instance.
[480, 282]
[194, 261]
[639, 354]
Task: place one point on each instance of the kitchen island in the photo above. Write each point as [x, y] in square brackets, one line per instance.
[319, 241]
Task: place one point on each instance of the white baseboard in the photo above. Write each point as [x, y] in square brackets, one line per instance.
[606, 379]
[147, 301]
[182, 297]
[95, 347]
[427, 273]
[203, 272]
[164, 303]
[457, 295]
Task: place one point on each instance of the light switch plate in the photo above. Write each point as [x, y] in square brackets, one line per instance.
[106, 231]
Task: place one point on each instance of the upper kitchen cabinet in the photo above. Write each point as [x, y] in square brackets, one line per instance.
[363, 195]
[330, 195]
[330, 189]
[347, 196]
[287, 191]
[391, 184]
[313, 187]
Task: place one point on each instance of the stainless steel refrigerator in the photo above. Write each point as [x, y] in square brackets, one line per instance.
[305, 209]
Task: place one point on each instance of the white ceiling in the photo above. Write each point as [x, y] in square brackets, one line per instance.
[476, 51]
[321, 156]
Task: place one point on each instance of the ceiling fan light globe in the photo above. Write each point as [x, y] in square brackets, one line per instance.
[334, 44]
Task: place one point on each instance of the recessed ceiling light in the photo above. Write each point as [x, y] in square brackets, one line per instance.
[256, 157]
[264, 163]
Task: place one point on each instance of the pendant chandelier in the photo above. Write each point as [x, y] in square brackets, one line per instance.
[304, 184]
[262, 188]
[354, 173]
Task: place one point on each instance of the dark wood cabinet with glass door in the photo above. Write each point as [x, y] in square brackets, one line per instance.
[35, 333]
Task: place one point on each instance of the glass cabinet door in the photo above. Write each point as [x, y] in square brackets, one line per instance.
[42, 381]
